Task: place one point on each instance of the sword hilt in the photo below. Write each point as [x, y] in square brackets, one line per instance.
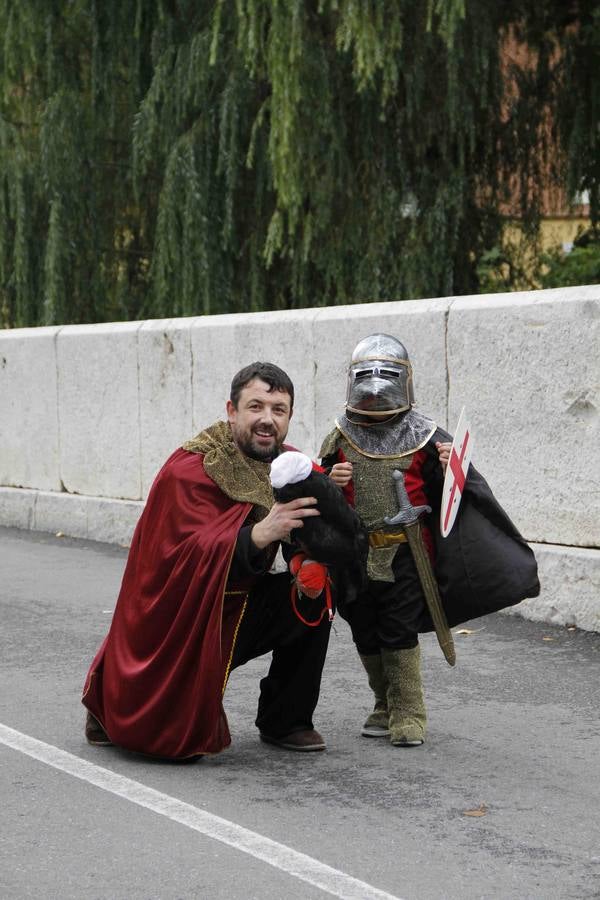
[407, 513]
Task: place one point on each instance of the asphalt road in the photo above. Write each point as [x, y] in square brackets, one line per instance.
[514, 734]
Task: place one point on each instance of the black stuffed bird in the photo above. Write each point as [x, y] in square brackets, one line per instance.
[337, 537]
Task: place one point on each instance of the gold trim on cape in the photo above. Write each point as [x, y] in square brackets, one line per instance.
[234, 641]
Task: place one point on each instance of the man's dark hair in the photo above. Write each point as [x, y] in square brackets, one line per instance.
[271, 374]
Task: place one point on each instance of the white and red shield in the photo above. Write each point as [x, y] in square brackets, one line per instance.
[456, 474]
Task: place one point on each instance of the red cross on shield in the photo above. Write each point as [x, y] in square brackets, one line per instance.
[456, 474]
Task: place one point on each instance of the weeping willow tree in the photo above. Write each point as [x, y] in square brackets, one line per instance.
[180, 157]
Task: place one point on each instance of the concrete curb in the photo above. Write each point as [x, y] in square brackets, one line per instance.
[570, 576]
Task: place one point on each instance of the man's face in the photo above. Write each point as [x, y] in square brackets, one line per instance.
[259, 423]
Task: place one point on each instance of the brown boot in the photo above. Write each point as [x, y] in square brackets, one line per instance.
[405, 696]
[95, 733]
[305, 741]
[376, 724]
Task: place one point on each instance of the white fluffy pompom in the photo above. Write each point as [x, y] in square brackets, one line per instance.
[290, 467]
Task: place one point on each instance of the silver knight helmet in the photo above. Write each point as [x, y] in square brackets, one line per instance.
[380, 381]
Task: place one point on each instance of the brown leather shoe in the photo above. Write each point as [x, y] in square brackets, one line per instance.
[302, 741]
[95, 733]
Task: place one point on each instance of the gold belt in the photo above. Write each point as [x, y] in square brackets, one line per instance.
[386, 539]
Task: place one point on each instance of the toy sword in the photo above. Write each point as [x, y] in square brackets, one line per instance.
[408, 518]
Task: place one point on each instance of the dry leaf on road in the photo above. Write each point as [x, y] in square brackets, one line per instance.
[474, 813]
[469, 630]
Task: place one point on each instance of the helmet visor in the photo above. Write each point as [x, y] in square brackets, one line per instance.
[379, 387]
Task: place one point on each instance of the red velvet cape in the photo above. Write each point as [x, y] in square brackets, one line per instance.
[157, 682]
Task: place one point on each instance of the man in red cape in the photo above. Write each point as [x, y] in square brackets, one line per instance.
[197, 598]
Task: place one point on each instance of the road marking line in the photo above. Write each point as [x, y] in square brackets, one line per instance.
[277, 855]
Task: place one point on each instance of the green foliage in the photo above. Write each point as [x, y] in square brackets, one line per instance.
[580, 266]
[518, 263]
[514, 264]
[181, 157]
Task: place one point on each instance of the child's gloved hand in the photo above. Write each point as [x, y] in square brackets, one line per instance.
[310, 576]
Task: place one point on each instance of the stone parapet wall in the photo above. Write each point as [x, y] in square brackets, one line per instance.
[88, 413]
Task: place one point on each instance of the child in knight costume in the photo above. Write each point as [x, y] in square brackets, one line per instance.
[390, 460]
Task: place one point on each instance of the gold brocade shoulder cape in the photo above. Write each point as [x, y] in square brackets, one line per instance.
[241, 478]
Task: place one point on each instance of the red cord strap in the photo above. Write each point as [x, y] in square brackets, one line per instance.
[310, 579]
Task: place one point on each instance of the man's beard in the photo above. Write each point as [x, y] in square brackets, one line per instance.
[263, 454]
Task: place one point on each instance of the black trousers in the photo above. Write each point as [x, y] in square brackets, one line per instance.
[290, 691]
[387, 614]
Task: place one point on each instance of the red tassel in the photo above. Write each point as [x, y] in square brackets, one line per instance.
[310, 579]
